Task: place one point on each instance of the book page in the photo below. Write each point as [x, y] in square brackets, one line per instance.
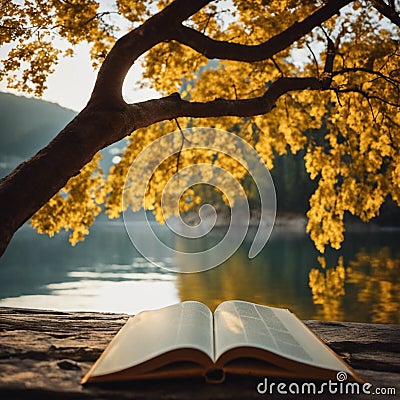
[239, 323]
[152, 333]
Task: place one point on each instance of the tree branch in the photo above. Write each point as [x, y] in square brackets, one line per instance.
[389, 79]
[127, 49]
[366, 95]
[387, 11]
[314, 59]
[328, 68]
[211, 48]
[173, 106]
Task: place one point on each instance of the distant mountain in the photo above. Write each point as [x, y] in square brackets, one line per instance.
[27, 125]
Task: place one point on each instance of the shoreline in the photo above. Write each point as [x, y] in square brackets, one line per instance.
[286, 220]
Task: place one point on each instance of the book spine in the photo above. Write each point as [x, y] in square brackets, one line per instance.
[214, 375]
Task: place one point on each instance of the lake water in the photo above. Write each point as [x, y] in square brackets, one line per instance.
[360, 282]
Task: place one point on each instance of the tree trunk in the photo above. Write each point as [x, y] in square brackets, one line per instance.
[35, 181]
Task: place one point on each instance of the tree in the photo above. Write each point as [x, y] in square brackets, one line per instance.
[339, 103]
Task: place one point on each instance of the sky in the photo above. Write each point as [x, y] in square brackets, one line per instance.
[72, 82]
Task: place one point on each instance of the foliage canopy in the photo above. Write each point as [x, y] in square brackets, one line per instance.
[322, 76]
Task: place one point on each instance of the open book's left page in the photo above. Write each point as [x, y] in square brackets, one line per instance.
[153, 333]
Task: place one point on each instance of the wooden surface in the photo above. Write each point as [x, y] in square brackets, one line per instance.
[44, 354]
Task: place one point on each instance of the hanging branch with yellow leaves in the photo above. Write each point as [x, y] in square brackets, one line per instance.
[344, 117]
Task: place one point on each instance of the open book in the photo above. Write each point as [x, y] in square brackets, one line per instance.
[186, 339]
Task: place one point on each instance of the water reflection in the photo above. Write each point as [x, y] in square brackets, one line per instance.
[327, 288]
[370, 282]
[348, 285]
[100, 296]
[105, 273]
[278, 277]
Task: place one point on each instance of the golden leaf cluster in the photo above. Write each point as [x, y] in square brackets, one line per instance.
[40, 32]
[76, 206]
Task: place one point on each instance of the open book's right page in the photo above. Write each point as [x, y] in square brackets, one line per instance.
[239, 323]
